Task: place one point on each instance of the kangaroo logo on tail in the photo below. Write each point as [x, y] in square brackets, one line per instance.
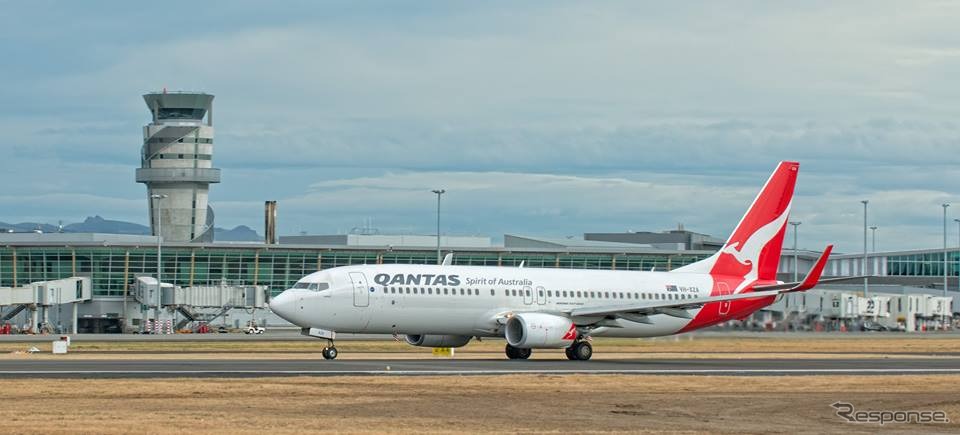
[753, 250]
[748, 253]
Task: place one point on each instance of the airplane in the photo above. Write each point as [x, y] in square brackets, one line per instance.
[542, 308]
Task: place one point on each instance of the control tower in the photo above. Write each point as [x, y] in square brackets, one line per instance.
[176, 164]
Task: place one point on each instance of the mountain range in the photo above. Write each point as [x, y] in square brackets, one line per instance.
[97, 224]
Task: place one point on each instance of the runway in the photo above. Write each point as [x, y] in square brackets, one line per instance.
[47, 368]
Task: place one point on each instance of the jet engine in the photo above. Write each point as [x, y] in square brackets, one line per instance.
[540, 331]
[438, 340]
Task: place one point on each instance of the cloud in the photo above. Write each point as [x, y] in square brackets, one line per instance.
[563, 116]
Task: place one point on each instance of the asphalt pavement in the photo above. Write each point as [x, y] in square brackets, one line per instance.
[156, 368]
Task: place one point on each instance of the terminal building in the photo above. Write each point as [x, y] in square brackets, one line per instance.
[113, 264]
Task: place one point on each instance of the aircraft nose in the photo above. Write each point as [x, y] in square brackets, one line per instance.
[283, 305]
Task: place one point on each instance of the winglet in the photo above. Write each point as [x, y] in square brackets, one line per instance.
[447, 259]
[814, 276]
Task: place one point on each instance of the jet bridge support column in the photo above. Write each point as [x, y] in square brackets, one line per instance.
[34, 318]
[74, 328]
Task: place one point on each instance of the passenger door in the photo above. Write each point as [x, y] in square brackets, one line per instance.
[361, 293]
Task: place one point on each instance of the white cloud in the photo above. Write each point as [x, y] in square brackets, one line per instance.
[549, 118]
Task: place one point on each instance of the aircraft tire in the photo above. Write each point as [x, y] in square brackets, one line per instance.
[583, 350]
[570, 354]
[517, 353]
[525, 353]
[329, 353]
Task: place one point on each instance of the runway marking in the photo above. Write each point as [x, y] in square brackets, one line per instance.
[486, 372]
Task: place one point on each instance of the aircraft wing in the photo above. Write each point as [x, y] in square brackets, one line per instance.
[678, 308]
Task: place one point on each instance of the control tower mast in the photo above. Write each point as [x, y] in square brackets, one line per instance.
[176, 164]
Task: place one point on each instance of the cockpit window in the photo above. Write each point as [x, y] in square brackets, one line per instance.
[315, 286]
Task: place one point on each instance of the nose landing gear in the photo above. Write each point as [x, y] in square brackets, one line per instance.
[329, 352]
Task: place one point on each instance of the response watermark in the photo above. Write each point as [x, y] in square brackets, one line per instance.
[849, 413]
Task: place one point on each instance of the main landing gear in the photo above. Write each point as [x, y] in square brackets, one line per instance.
[517, 353]
[580, 350]
[329, 352]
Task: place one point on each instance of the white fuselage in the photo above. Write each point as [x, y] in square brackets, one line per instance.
[469, 300]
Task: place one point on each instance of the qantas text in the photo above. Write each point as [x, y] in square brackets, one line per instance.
[418, 279]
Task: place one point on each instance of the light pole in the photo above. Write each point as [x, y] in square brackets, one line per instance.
[945, 249]
[866, 285]
[958, 248]
[796, 259]
[873, 235]
[156, 310]
[439, 193]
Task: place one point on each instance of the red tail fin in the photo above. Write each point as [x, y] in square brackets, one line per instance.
[753, 250]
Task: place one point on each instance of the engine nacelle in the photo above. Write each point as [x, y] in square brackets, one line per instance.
[438, 340]
[540, 331]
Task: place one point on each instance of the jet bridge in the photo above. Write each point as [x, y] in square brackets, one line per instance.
[39, 296]
[199, 303]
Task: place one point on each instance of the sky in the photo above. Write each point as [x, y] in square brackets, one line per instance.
[544, 118]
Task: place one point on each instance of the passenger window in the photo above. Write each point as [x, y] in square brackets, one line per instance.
[492, 293]
[621, 295]
[461, 292]
[579, 294]
[606, 295]
[549, 293]
[527, 292]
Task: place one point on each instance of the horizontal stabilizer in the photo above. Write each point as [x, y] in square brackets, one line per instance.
[811, 280]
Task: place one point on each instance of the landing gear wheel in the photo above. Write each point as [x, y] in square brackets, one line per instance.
[569, 352]
[582, 350]
[517, 353]
[329, 353]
